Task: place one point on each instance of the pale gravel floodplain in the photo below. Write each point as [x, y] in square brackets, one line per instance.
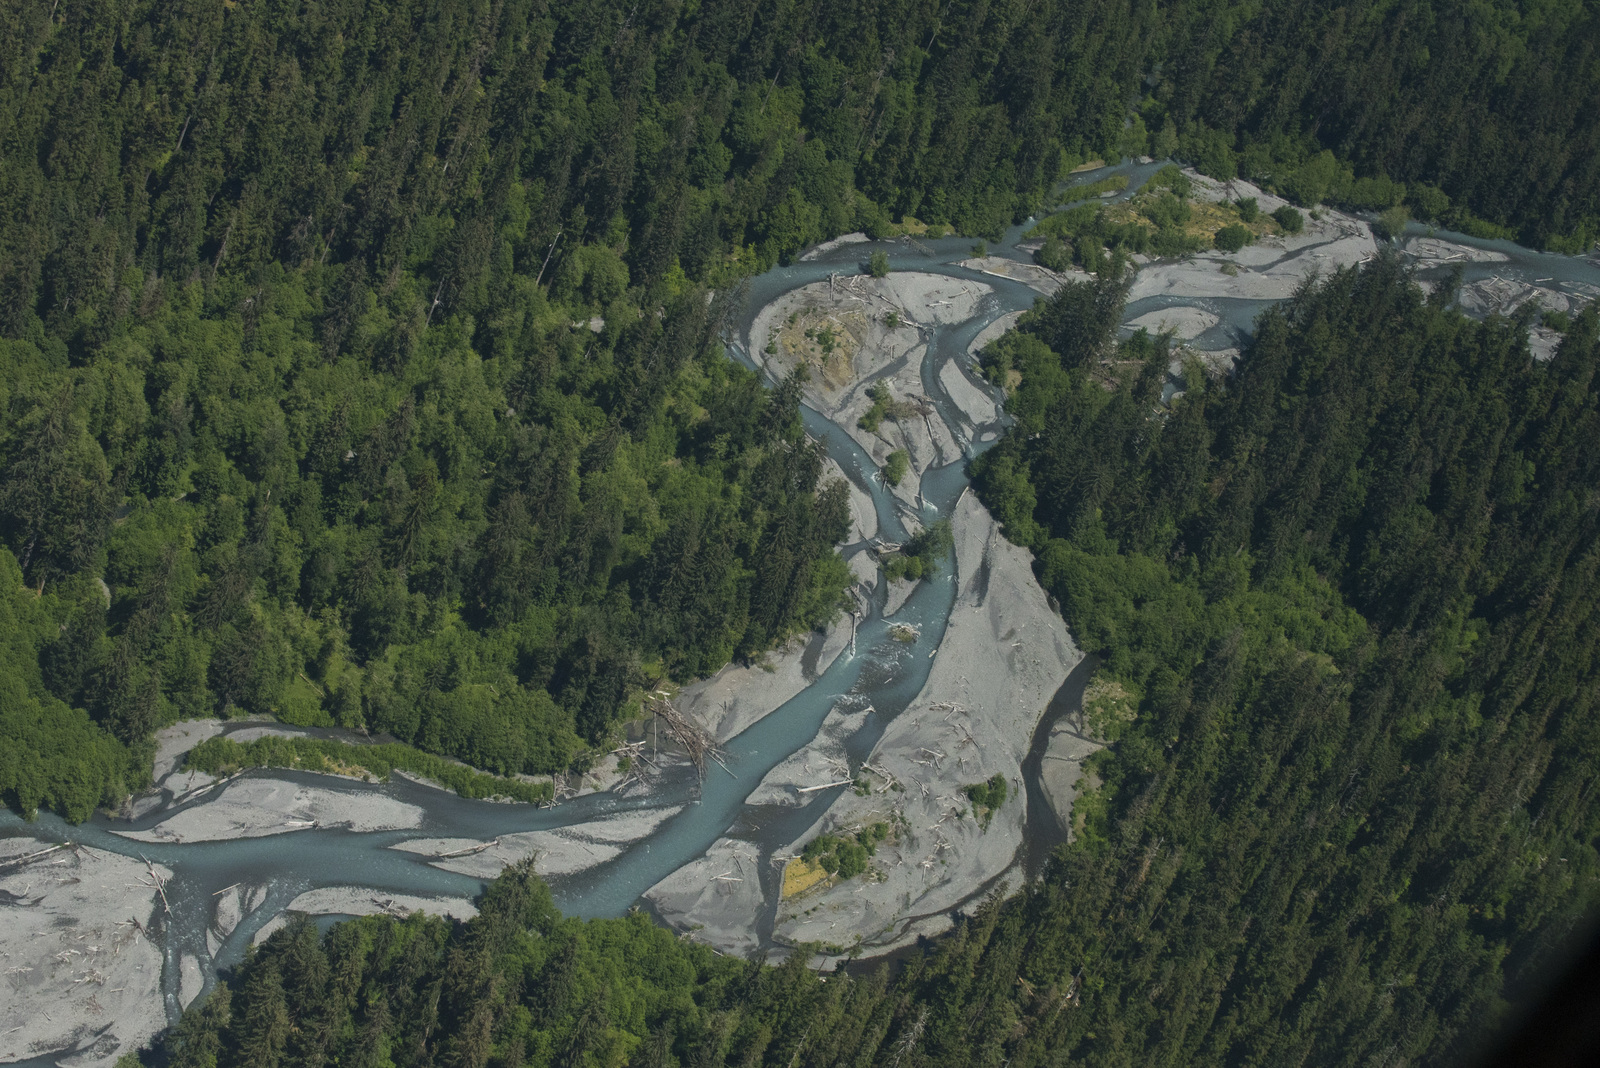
[891, 355]
[562, 851]
[83, 977]
[1184, 322]
[740, 694]
[1004, 323]
[257, 806]
[716, 897]
[363, 901]
[82, 974]
[1004, 655]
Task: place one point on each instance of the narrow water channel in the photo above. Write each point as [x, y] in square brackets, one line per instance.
[881, 672]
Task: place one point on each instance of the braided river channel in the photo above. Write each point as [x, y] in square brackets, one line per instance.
[878, 671]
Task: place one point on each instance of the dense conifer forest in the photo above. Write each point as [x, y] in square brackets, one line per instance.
[1355, 592]
[357, 364]
[360, 364]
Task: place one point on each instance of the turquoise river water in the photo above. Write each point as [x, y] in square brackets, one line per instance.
[881, 672]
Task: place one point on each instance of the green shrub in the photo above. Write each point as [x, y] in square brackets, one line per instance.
[1069, 223]
[1392, 223]
[1374, 194]
[1056, 255]
[921, 555]
[827, 339]
[1114, 184]
[900, 567]
[895, 468]
[845, 855]
[1135, 139]
[1249, 211]
[1165, 141]
[1576, 243]
[872, 220]
[988, 794]
[1168, 211]
[1315, 180]
[1428, 201]
[1212, 153]
[1170, 177]
[1232, 238]
[1166, 243]
[987, 797]
[934, 543]
[1473, 226]
[1289, 219]
[880, 407]
[878, 264]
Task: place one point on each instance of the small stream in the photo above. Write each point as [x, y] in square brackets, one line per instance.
[881, 672]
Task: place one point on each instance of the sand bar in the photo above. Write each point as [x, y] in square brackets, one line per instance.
[261, 805]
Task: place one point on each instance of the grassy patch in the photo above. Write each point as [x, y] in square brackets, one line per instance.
[825, 341]
[1160, 220]
[1198, 225]
[1109, 707]
[911, 226]
[800, 875]
[223, 756]
[829, 857]
[1091, 810]
[1114, 184]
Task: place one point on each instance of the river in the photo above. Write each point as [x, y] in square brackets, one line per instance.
[881, 672]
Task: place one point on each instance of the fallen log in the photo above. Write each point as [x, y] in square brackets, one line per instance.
[824, 786]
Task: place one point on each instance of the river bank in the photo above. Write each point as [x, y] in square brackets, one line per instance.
[888, 716]
[863, 341]
[1004, 655]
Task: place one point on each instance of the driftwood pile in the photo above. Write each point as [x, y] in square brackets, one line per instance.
[640, 766]
[695, 739]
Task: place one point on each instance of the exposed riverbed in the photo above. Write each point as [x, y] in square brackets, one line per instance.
[925, 689]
